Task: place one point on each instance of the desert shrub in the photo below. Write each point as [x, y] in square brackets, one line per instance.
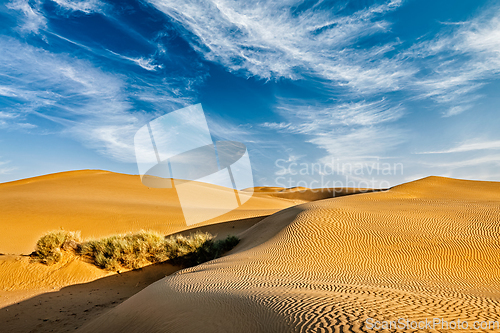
[180, 246]
[132, 251]
[128, 251]
[50, 246]
[206, 251]
[138, 250]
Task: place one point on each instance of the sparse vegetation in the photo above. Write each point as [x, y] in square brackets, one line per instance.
[132, 251]
[49, 247]
[125, 251]
[206, 251]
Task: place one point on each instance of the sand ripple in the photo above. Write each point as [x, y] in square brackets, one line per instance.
[425, 249]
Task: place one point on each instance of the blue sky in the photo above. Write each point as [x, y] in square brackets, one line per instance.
[364, 86]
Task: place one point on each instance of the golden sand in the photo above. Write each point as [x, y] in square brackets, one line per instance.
[97, 203]
[425, 249]
[100, 203]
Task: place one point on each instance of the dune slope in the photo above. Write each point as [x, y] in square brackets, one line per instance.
[425, 249]
[100, 203]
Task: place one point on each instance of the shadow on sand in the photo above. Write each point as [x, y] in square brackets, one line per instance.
[73, 306]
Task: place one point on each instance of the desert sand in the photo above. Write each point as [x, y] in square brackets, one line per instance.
[100, 203]
[429, 248]
[97, 203]
[425, 249]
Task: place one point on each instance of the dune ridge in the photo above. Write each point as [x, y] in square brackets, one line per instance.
[424, 249]
[308, 194]
[100, 203]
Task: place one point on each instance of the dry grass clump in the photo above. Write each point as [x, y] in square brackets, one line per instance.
[207, 251]
[49, 247]
[132, 251]
[126, 251]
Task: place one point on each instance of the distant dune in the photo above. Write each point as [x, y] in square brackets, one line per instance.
[307, 194]
[99, 203]
[425, 249]
[429, 248]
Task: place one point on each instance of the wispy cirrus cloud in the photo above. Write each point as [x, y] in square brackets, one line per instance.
[309, 41]
[348, 130]
[96, 104]
[471, 162]
[146, 63]
[322, 117]
[362, 80]
[468, 147]
[462, 60]
[32, 19]
[287, 39]
[5, 169]
[276, 39]
[84, 6]
[87, 103]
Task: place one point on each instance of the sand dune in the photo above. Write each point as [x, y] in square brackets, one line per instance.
[100, 203]
[303, 194]
[425, 249]
[64, 309]
[36, 297]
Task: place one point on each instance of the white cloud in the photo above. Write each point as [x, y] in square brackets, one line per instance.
[348, 130]
[6, 115]
[4, 169]
[461, 61]
[467, 147]
[356, 144]
[223, 129]
[283, 127]
[269, 40]
[85, 6]
[92, 106]
[145, 63]
[33, 19]
[454, 110]
[360, 113]
[472, 162]
[7, 92]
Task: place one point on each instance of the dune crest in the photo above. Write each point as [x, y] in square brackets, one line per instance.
[425, 249]
[100, 203]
